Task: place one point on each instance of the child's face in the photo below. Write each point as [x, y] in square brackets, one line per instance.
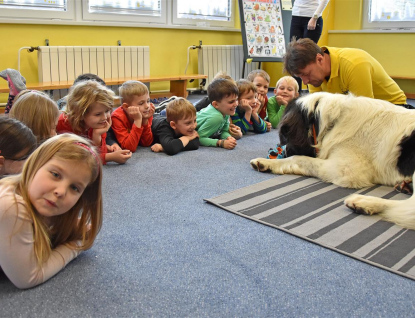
[261, 85]
[97, 116]
[55, 188]
[185, 126]
[227, 105]
[250, 97]
[286, 90]
[143, 103]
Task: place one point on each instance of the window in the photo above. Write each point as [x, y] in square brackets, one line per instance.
[186, 14]
[52, 9]
[388, 14]
[125, 10]
[203, 13]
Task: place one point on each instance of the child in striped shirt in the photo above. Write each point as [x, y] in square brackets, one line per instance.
[246, 116]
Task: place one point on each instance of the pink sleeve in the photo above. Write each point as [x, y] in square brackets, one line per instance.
[17, 255]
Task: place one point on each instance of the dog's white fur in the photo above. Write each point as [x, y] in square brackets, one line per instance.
[358, 144]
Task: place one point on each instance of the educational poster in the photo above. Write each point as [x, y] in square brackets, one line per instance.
[264, 28]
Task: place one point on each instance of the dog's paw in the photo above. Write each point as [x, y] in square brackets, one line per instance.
[260, 164]
[362, 204]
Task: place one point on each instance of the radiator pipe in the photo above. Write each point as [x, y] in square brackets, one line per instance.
[193, 47]
[29, 49]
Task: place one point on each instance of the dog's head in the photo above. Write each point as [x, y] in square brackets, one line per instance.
[294, 130]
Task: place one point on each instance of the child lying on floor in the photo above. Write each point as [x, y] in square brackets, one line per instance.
[177, 131]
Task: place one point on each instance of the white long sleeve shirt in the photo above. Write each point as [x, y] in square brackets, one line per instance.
[309, 8]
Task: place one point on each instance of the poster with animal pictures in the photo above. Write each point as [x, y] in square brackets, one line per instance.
[264, 29]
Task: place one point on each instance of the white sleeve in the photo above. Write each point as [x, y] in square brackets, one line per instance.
[17, 254]
[321, 6]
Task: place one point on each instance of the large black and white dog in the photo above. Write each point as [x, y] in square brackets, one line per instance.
[358, 142]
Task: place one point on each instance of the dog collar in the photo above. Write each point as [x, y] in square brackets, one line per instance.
[313, 130]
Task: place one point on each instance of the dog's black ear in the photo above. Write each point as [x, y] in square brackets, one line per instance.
[283, 132]
[284, 129]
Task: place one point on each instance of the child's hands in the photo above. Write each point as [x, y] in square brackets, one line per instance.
[119, 156]
[104, 128]
[235, 131]
[281, 100]
[244, 104]
[157, 148]
[153, 109]
[269, 126]
[186, 139]
[148, 114]
[113, 147]
[261, 100]
[98, 132]
[134, 113]
[229, 143]
[193, 135]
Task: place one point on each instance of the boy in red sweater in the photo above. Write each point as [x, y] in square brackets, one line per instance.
[131, 122]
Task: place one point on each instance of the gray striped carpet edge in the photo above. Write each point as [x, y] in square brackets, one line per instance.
[313, 210]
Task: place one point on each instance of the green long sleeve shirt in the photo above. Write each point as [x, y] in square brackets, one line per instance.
[274, 111]
[211, 126]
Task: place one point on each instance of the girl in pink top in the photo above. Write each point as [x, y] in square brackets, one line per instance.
[51, 211]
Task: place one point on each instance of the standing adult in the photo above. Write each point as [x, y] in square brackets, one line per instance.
[307, 22]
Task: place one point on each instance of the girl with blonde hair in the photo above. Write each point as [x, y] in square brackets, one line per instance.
[51, 211]
[38, 112]
[88, 114]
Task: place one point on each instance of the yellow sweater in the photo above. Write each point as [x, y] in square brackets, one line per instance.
[357, 72]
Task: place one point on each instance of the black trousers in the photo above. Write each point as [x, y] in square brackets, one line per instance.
[299, 30]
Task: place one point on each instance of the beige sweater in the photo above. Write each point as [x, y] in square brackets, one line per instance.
[17, 255]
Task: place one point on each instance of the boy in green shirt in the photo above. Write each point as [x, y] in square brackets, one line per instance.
[213, 121]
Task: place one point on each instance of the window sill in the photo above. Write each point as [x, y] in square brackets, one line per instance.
[385, 30]
[116, 24]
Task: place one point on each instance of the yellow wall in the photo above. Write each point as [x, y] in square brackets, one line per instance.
[393, 50]
[168, 47]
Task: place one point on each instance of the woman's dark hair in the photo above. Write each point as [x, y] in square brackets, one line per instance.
[15, 137]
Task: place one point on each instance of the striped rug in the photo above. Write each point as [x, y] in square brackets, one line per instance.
[314, 210]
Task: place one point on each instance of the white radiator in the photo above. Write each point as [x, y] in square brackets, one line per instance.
[229, 58]
[66, 63]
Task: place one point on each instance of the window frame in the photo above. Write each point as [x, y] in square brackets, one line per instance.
[87, 16]
[383, 25]
[75, 16]
[41, 15]
[202, 22]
